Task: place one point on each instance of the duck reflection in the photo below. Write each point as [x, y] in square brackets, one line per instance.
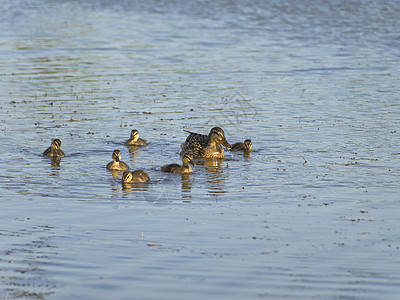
[140, 187]
[55, 166]
[133, 151]
[168, 188]
[115, 174]
[247, 154]
[215, 177]
[186, 187]
[115, 189]
[212, 166]
[55, 161]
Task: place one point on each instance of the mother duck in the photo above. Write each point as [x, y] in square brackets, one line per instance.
[205, 146]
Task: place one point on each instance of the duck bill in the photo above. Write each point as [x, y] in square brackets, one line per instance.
[226, 144]
[117, 159]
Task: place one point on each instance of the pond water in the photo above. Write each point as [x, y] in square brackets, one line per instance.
[312, 212]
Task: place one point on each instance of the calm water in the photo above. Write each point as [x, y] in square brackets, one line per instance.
[312, 213]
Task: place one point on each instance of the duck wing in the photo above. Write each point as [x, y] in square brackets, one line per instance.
[194, 144]
[47, 152]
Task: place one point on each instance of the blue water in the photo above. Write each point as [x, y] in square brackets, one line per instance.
[311, 213]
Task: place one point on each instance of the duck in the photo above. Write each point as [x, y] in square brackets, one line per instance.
[136, 176]
[134, 140]
[55, 149]
[175, 168]
[247, 146]
[117, 164]
[205, 146]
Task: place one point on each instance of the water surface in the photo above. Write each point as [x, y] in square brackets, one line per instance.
[311, 213]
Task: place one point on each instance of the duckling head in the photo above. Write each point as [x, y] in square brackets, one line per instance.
[187, 159]
[56, 144]
[116, 155]
[217, 135]
[134, 135]
[248, 145]
[126, 176]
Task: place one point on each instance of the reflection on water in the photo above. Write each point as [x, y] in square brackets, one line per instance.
[55, 161]
[23, 263]
[212, 166]
[186, 186]
[215, 176]
[247, 154]
[139, 187]
[116, 174]
[134, 152]
[162, 190]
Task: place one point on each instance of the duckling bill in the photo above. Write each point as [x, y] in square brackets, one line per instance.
[136, 176]
[117, 164]
[54, 150]
[175, 168]
[135, 140]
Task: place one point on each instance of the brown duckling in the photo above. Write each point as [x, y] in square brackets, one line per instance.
[134, 140]
[117, 164]
[246, 146]
[175, 168]
[55, 149]
[135, 176]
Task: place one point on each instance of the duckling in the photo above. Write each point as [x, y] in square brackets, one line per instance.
[247, 146]
[134, 140]
[54, 149]
[117, 164]
[205, 146]
[135, 176]
[175, 168]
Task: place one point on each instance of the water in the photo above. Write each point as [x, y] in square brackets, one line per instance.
[311, 213]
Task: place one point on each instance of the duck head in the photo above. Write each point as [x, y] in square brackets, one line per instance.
[248, 145]
[134, 135]
[217, 135]
[187, 159]
[116, 155]
[126, 176]
[56, 144]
